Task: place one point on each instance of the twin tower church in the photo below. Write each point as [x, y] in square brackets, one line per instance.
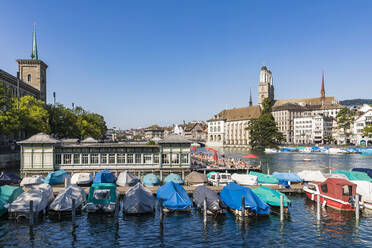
[31, 76]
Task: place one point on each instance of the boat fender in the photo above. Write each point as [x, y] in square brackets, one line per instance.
[324, 204]
[312, 197]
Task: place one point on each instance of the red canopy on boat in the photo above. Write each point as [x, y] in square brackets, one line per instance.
[251, 156]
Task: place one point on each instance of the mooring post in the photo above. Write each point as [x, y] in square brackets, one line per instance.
[117, 208]
[31, 213]
[67, 181]
[205, 172]
[205, 210]
[281, 208]
[243, 207]
[318, 207]
[161, 211]
[247, 171]
[183, 175]
[268, 170]
[218, 179]
[161, 175]
[357, 207]
[73, 210]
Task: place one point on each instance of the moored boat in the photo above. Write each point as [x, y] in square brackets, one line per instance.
[214, 203]
[41, 195]
[232, 194]
[244, 179]
[8, 194]
[336, 193]
[220, 179]
[82, 179]
[354, 175]
[364, 189]
[126, 178]
[311, 176]
[138, 200]
[56, 177]
[366, 170]
[104, 176]
[196, 179]
[63, 202]
[151, 180]
[33, 180]
[172, 177]
[174, 197]
[264, 179]
[9, 179]
[272, 197]
[101, 198]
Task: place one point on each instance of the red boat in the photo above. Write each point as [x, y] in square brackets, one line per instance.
[336, 193]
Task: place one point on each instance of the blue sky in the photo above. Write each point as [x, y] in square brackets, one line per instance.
[161, 62]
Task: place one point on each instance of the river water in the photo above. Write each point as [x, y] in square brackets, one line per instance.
[336, 229]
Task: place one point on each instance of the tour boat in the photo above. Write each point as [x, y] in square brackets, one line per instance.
[175, 198]
[336, 193]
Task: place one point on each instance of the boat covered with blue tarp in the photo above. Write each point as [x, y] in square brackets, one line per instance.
[232, 194]
[9, 179]
[104, 176]
[151, 180]
[56, 177]
[172, 177]
[288, 177]
[174, 197]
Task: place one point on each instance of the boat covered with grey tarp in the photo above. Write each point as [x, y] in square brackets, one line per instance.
[214, 203]
[126, 178]
[138, 200]
[63, 201]
[41, 195]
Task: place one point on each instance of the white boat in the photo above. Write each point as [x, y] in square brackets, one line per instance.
[311, 176]
[364, 189]
[33, 180]
[126, 178]
[244, 179]
[63, 201]
[220, 179]
[41, 195]
[271, 150]
[81, 179]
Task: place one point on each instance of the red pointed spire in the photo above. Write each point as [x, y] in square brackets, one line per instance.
[322, 91]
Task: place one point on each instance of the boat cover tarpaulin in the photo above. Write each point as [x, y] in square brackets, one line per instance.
[104, 176]
[151, 180]
[81, 178]
[232, 194]
[41, 195]
[354, 175]
[364, 188]
[34, 180]
[138, 200]
[56, 177]
[195, 178]
[9, 178]
[8, 194]
[366, 170]
[172, 177]
[311, 176]
[244, 179]
[263, 178]
[214, 202]
[271, 196]
[289, 177]
[126, 178]
[174, 196]
[102, 193]
[63, 201]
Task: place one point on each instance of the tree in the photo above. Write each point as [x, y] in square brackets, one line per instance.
[90, 124]
[63, 121]
[367, 130]
[263, 130]
[344, 120]
[32, 115]
[9, 123]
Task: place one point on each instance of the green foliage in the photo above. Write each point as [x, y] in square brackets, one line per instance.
[263, 130]
[137, 137]
[344, 120]
[367, 130]
[150, 142]
[63, 121]
[121, 137]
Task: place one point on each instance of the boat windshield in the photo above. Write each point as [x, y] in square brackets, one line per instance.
[101, 194]
[347, 190]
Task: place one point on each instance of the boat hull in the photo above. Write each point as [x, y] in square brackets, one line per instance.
[331, 202]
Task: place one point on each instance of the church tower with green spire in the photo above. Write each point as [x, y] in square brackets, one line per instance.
[33, 71]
